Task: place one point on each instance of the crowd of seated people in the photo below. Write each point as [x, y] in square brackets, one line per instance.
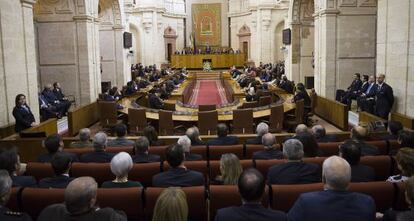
[52, 102]
[207, 50]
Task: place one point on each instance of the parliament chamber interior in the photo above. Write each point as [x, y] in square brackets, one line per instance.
[162, 110]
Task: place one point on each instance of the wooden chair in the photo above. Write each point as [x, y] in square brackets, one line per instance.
[207, 107]
[243, 121]
[207, 122]
[265, 100]
[251, 104]
[137, 120]
[297, 118]
[276, 119]
[165, 123]
[108, 114]
[169, 106]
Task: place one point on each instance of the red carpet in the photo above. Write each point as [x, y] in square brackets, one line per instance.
[208, 92]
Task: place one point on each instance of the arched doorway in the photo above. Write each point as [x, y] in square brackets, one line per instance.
[244, 41]
[170, 37]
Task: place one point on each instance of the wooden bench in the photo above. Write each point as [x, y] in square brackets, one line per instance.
[332, 111]
[406, 121]
[82, 117]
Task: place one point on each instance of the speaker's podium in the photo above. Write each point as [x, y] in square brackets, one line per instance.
[196, 61]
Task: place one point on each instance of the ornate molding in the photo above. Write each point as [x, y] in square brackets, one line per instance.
[83, 18]
[347, 3]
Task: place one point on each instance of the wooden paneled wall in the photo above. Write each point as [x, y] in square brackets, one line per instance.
[406, 121]
[49, 127]
[82, 117]
[366, 118]
[332, 111]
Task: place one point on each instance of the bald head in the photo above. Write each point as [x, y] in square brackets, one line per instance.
[268, 141]
[251, 185]
[301, 128]
[336, 173]
[359, 132]
[80, 195]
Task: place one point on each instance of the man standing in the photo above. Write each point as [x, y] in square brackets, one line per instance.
[384, 98]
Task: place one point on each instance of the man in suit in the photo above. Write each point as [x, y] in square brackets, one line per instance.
[54, 144]
[251, 185]
[120, 140]
[61, 164]
[80, 204]
[185, 142]
[366, 100]
[394, 127]
[222, 138]
[99, 155]
[141, 152]
[351, 152]
[384, 98]
[46, 109]
[57, 90]
[320, 135]
[84, 139]
[334, 202]
[270, 151]
[194, 134]
[61, 107]
[352, 90]
[406, 138]
[154, 100]
[295, 171]
[178, 175]
[360, 134]
[5, 192]
[10, 161]
[261, 130]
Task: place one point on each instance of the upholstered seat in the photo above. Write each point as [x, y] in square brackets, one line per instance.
[243, 121]
[207, 122]
[137, 120]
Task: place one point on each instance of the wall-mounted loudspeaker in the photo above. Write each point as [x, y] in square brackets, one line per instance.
[127, 40]
[287, 34]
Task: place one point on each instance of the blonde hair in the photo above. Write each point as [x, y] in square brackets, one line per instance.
[230, 169]
[171, 205]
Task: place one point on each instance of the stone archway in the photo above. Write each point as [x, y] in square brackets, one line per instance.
[244, 41]
[170, 39]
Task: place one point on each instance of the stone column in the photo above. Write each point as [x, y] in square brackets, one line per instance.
[120, 57]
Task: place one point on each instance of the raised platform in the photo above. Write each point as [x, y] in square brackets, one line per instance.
[195, 61]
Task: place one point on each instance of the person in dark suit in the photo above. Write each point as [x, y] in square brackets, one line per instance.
[54, 144]
[185, 142]
[394, 127]
[408, 215]
[141, 152]
[364, 85]
[335, 202]
[295, 171]
[80, 204]
[360, 134]
[57, 90]
[352, 90]
[270, 151]
[222, 138]
[120, 140]
[5, 191]
[366, 99]
[406, 138]
[46, 109]
[61, 107]
[261, 130]
[10, 161]
[286, 85]
[22, 114]
[154, 100]
[178, 175]
[61, 164]
[384, 98]
[310, 146]
[99, 155]
[251, 187]
[351, 152]
[302, 94]
[320, 135]
[194, 134]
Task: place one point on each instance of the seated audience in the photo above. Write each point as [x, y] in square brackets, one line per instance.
[295, 171]
[46, 109]
[53, 145]
[194, 134]
[10, 161]
[360, 134]
[351, 152]
[120, 140]
[405, 163]
[251, 185]
[151, 134]
[394, 127]
[99, 155]
[230, 170]
[5, 192]
[270, 151]
[185, 142]
[154, 100]
[84, 139]
[171, 205]
[406, 138]
[62, 106]
[178, 174]
[261, 130]
[320, 135]
[352, 90]
[61, 164]
[80, 204]
[392, 215]
[300, 129]
[22, 114]
[335, 202]
[141, 152]
[57, 90]
[310, 146]
[222, 138]
[121, 164]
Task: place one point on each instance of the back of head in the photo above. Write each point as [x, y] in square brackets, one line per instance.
[53, 143]
[293, 149]
[406, 138]
[222, 130]
[405, 161]
[230, 168]
[185, 142]
[121, 164]
[175, 155]
[262, 129]
[251, 185]
[61, 163]
[336, 173]
[301, 128]
[318, 131]
[359, 132]
[268, 140]
[171, 205]
[150, 133]
[193, 133]
[394, 127]
[120, 130]
[5, 187]
[80, 195]
[9, 160]
[141, 145]
[84, 134]
[409, 191]
[99, 141]
[350, 151]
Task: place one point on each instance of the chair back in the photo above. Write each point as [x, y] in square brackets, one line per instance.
[207, 122]
[251, 104]
[200, 166]
[284, 196]
[381, 164]
[265, 100]
[299, 111]
[39, 170]
[382, 192]
[128, 200]
[215, 152]
[137, 120]
[107, 113]
[261, 93]
[101, 172]
[243, 121]
[276, 118]
[206, 107]
[143, 172]
[165, 123]
[169, 106]
[34, 200]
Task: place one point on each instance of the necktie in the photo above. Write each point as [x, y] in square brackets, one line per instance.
[369, 89]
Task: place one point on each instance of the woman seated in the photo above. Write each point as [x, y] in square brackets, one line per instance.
[121, 164]
[405, 163]
[151, 134]
[171, 205]
[230, 170]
